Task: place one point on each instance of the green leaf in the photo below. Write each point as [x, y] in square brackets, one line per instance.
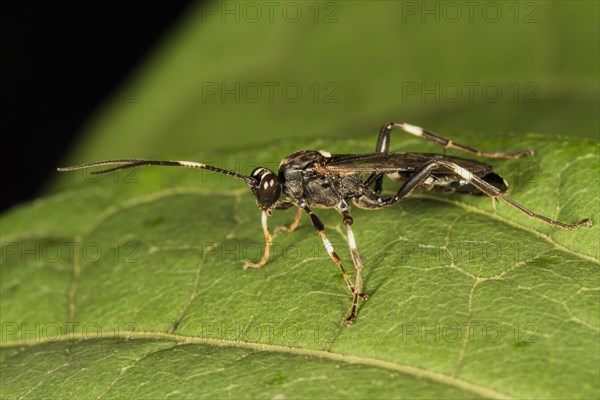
[132, 287]
[198, 88]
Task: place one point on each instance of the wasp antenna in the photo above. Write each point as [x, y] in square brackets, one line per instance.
[132, 163]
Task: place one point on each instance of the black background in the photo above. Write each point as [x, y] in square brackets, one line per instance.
[59, 63]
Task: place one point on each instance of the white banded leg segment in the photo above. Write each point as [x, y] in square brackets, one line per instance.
[465, 174]
[358, 265]
[268, 244]
[353, 249]
[492, 191]
[336, 259]
[422, 174]
[448, 143]
[320, 228]
[412, 129]
[328, 245]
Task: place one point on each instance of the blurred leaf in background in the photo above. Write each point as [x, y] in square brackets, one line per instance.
[235, 73]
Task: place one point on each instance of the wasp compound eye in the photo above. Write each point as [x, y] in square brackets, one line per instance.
[268, 186]
[267, 190]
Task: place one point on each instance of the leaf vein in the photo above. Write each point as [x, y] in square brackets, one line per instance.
[414, 371]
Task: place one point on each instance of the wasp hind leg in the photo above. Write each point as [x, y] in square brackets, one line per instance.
[486, 188]
[383, 142]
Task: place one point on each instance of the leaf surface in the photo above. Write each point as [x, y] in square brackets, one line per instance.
[131, 286]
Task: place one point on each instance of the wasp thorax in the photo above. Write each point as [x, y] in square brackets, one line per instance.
[267, 189]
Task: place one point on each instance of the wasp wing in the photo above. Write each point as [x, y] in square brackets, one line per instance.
[383, 163]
